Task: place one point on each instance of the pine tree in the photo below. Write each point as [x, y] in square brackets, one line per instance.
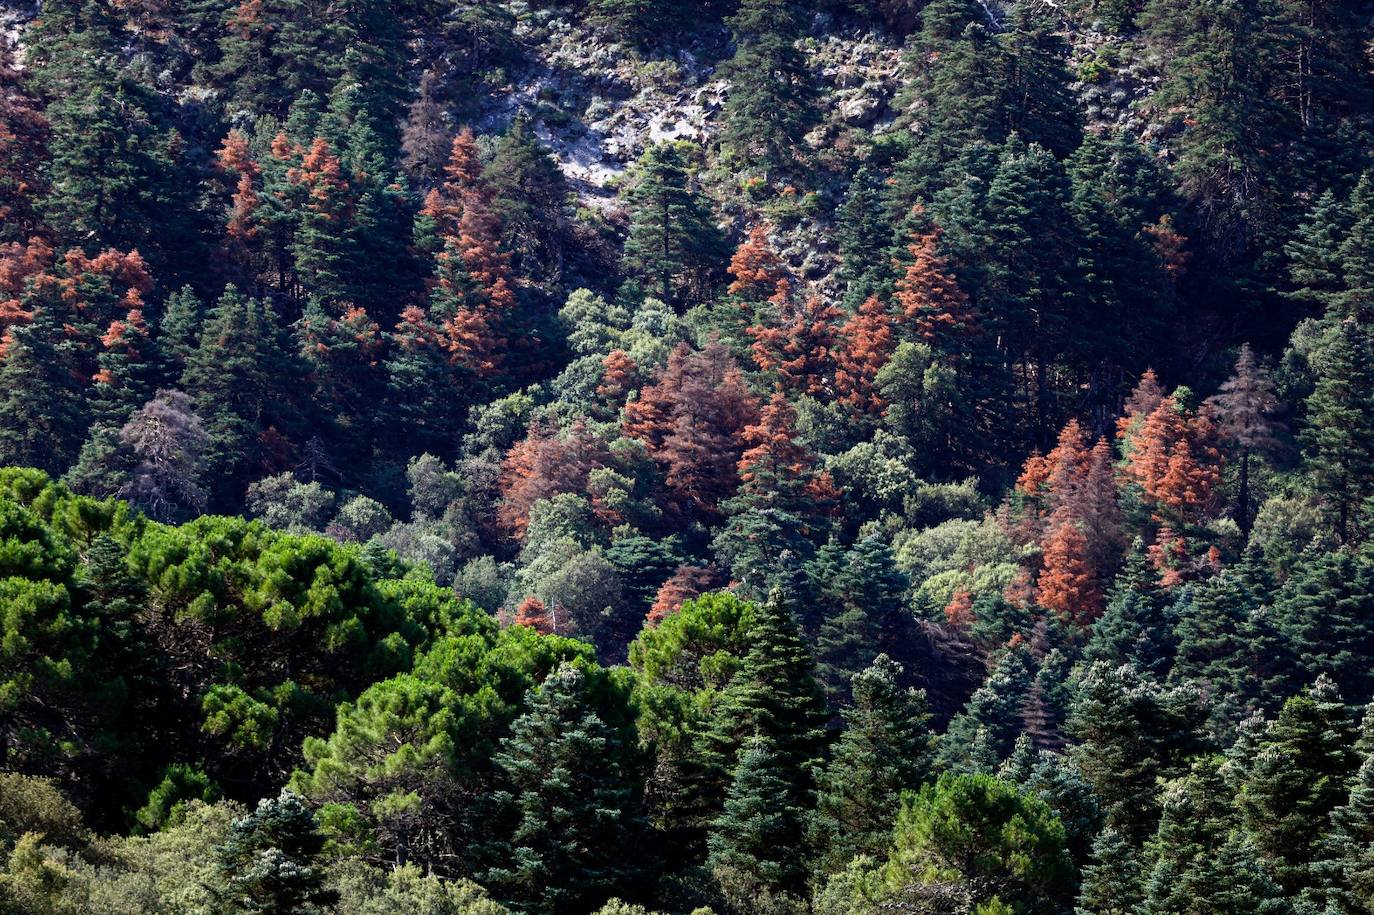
[991, 717]
[774, 694]
[1314, 253]
[691, 419]
[885, 749]
[1356, 265]
[42, 407]
[1345, 870]
[579, 824]
[1129, 735]
[1112, 884]
[1224, 112]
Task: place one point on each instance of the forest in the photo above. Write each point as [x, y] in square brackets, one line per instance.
[638, 457]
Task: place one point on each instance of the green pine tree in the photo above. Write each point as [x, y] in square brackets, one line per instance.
[770, 106]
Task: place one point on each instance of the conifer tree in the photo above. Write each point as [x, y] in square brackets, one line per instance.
[579, 822]
[885, 749]
[1219, 635]
[1112, 883]
[422, 385]
[795, 343]
[236, 379]
[1298, 777]
[1322, 616]
[1345, 870]
[179, 330]
[992, 715]
[769, 108]
[865, 344]
[1129, 734]
[929, 296]
[1068, 582]
[271, 861]
[128, 364]
[1203, 863]
[774, 695]
[755, 845]
[1339, 437]
[673, 242]
[25, 131]
[42, 406]
[1244, 410]
[758, 273]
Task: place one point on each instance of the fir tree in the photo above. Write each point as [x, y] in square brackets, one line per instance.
[1129, 734]
[1339, 437]
[769, 108]
[42, 408]
[885, 749]
[994, 711]
[1345, 869]
[755, 845]
[1296, 780]
[270, 862]
[1112, 884]
[673, 241]
[1244, 410]
[575, 841]
[774, 694]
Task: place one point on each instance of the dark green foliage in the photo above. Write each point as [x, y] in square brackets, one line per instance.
[271, 862]
[1322, 614]
[1131, 734]
[42, 419]
[773, 694]
[674, 247]
[885, 749]
[1297, 777]
[755, 845]
[578, 829]
[1339, 437]
[1112, 884]
[982, 735]
[769, 107]
[973, 838]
